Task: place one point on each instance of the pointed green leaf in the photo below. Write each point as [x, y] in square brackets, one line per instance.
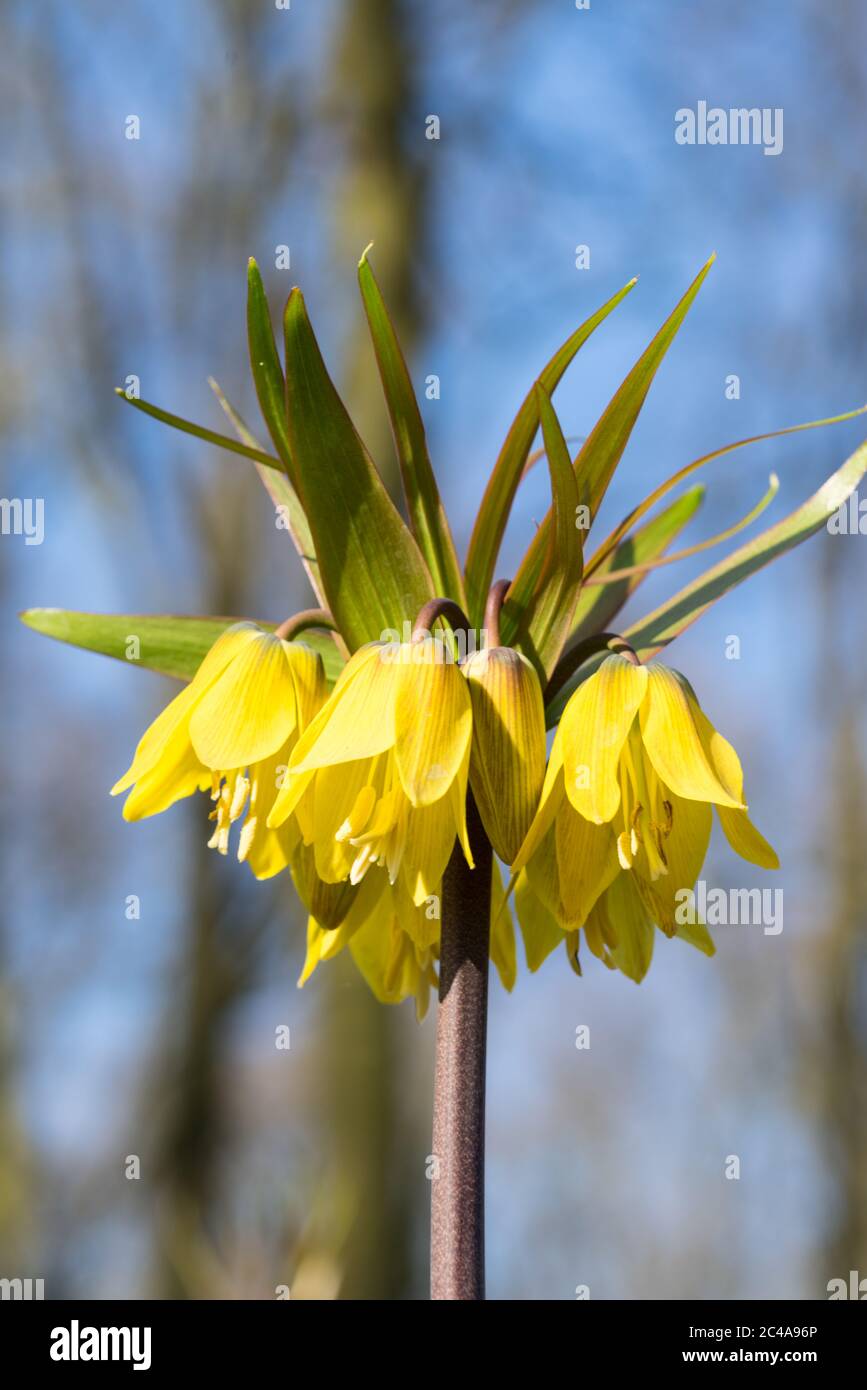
[270, 470]
[603, 449]
[538, 621]
[604, 446]
[426, 513]
[373, 574]
[166, 643]
[596, 560]
[660, 627]
[503, 484]
[222, 441]
[287, 504]
[597, 607]
[266, 368]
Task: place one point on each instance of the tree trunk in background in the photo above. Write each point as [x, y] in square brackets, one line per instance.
[839, 972]
[380, 196]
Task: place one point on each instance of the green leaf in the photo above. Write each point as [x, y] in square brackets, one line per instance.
[373, 574]
[598, 557]
[266, 368]
[426, 513]
[503, 484]
[284, 497]
[222, 441]
[604, 446]
[270, 470]
[660, 627]
[596, 607]
[538, 620]
[168, 644]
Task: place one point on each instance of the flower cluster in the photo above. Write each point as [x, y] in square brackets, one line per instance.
[361, 792]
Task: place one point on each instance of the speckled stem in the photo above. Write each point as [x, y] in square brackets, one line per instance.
[458, 1185]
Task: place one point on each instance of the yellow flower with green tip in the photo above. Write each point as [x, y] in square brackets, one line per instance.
[231, 732]
[507, 761]
[380, 776]
[624, 819]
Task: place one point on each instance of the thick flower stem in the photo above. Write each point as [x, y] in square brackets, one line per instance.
[458, 1183]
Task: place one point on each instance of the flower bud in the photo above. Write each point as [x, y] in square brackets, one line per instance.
[507, 757]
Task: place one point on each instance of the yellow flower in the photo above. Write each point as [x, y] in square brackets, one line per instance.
[380, 776]
[625, 815]
[231, 731]
[507, 761]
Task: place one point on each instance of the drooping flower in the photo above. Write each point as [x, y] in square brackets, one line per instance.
[625, 816]
[507, 759]
[231, 731]
[380, 776]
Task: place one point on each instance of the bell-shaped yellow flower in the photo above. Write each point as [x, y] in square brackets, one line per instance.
[633, 773]
[507, 761]
[380, 776]
[231, 731]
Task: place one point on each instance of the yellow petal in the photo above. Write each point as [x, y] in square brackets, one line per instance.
[507, 763]
[433, 721]
[458, 802]
[289, 795]
[746, 840]
[385, 954]
[308, 676]
[539, 927]
[178, 773]
[357, 720]
[718, 751]
[266, 852]
[325, 943]
[696, 934]
[156, 738]
[594, 727]
[502, 933]
[550, 801]
[673, 743]
[430, 838]
[599, 933]
[421, 920]
[685, 851]
[739, 830]
[335, 796]
[329, 903]
[586, 863]
[250, 710]
[314, 947]
[542, 874]
[633, 927]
